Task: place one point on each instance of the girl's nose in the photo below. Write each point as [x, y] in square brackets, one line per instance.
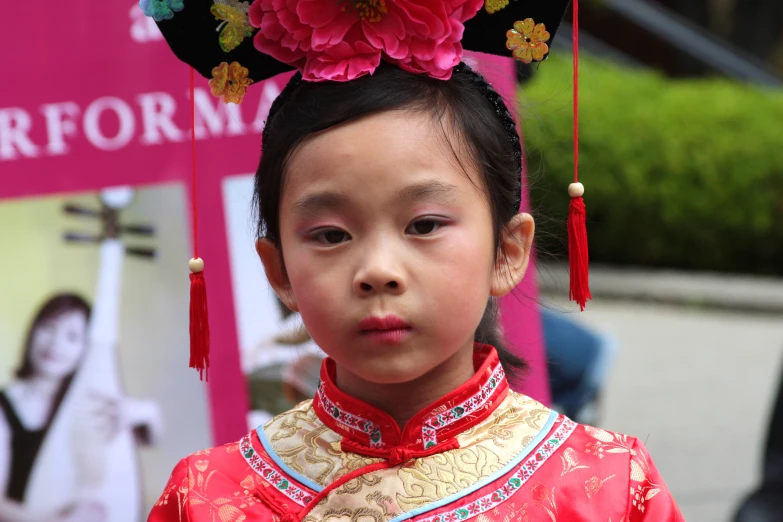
[379, 274]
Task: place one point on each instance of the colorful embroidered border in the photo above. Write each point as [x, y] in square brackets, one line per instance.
[429, 430]
[372, 430]
[520, 476]
[271, 475]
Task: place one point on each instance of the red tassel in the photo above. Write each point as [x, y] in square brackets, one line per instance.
[199, 318]
[577, 231]
[577, 252]
[199, 325]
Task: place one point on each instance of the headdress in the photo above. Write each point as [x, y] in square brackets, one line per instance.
[238, 43]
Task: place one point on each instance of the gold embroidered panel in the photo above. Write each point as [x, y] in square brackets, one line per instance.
[310, 448]
[486, 448]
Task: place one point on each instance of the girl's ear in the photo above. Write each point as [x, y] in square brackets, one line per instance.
[272, 258]
[513, 254]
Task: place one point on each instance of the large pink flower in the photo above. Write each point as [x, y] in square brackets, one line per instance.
[340, 40]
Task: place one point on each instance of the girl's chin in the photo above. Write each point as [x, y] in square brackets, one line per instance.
[388, 371]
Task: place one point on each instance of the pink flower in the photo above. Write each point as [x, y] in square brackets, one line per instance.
[340, 40]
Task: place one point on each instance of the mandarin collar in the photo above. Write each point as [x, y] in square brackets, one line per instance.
[371, 431]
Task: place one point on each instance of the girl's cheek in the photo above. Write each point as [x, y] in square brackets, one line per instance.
[313, 285]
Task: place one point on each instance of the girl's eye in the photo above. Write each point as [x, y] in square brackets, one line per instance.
[424, 227]
[331, 236]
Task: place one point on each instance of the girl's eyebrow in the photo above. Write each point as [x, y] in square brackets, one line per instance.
[432, 191]
[312, 204]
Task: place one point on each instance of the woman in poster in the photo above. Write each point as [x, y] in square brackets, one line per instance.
[54, 347]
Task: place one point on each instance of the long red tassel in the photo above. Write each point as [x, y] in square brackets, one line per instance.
[577, 231]
[577, 252]
[199, 318]
[199, 325]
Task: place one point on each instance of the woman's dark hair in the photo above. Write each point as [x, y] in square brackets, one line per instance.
[473, 112]
[51, 309]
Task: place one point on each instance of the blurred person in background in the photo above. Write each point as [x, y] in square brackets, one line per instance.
[765, 504]
[54, 349]
[269, 366]
[300, 379]
[578, 360]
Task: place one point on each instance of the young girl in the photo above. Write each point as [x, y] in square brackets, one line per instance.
[387, 206]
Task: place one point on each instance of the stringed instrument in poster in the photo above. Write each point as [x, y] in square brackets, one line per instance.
[81, 460]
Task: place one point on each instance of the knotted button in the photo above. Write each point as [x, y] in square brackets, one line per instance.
[399, 455]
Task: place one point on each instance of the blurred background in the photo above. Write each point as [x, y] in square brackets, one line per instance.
[681, 155]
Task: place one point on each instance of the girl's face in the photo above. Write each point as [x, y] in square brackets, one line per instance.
[387, 245]
[58, 344]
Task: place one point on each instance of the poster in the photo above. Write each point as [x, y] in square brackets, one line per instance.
[92, 304]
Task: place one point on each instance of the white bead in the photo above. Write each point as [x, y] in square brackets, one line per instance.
[576, 190]
[196, 265]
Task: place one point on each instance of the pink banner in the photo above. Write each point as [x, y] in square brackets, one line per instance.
[92, 97]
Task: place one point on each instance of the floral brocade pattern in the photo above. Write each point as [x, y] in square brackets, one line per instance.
[643, 486]
[564, 477]
[195, 486]
[273, 477]
[351, 421]
[510, 486]
[308, 447]
[429, 430]
[439, 476]
[517, 461]
[428, 480]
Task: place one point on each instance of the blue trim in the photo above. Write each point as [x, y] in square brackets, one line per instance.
[282, 465]
[522, 455]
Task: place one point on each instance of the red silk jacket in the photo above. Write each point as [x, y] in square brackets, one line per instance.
[481, 453]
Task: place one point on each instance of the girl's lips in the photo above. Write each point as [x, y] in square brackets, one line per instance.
[389, 329]
[394, 336]
[388, 322]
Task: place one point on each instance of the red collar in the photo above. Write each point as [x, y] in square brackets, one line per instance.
[371, 431]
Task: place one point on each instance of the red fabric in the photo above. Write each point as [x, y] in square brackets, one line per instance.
[594, 475]
[576, 473]
[199, 325]
[218, 484]
[398, 454]
[577, 253]
[485, 361]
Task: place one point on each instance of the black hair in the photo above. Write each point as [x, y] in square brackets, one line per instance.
[473, 110]
[54, 307]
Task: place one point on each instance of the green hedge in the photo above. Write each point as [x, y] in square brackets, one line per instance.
[677, 173]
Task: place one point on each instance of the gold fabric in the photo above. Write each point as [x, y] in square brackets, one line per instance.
[307, 446]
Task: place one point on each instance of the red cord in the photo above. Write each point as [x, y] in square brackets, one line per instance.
[575, 40]
[578, 259]
[193, 156]
[199, 318]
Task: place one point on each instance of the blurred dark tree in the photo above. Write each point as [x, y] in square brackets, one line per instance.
[755, 26]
